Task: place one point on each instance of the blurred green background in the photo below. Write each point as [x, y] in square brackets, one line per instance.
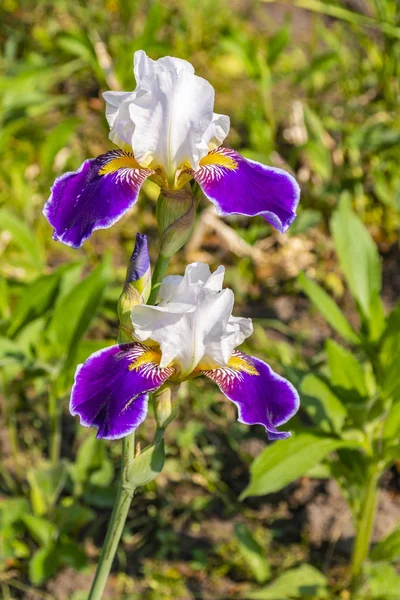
[310, 86]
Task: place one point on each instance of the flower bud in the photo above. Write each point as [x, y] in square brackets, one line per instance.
[176, 210]
[166, 405]
[136, 288]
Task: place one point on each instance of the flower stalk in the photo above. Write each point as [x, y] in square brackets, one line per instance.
[365, 525]
[126, 487]
[117, 521]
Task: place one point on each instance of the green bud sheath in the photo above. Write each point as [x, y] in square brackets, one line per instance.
[166, 405]
[176, 211]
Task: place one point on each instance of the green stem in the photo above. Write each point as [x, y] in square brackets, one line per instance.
[158, 274]
[117, 521]
[55, 426]
[365, 525]
[126, 489]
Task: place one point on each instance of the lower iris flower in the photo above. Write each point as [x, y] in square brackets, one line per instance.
[189, 333]
[166, 130]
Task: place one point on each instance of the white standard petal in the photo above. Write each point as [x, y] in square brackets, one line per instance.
[193, 321]
[168, 120]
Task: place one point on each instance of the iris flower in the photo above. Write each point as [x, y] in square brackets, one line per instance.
[166, 130]
[189, 333]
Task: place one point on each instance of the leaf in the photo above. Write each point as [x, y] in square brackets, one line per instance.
[147, 465]
[389, 352]
[323, 406]
[90, 457]
[345, 370]
[301, 582]
[328, 308]
[358, 255]
[388, 548]
[252, 553]
[391, 428]
[71, 555]
[12, 510]
[23, 237]
[284, 461]
[383, 582]
[46, 485]
[74, 313]
[43, 565]
[42, 530]
[55, 141]
[72, 516]
[36, 298]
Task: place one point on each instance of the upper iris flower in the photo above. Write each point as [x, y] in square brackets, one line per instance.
[191, 332]
[166, 130]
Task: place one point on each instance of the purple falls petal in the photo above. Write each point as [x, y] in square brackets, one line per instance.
[237, 185]
[262, 396]
[93, 197]
[111, 393]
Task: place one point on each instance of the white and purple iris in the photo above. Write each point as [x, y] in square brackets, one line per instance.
[190, 332]
[167, 131]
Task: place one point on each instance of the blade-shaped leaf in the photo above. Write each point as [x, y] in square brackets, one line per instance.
[24, 237]
[301, 582]
[284, 461]
[358, 255]
[323, 406]
[345, 370]
[252, 553]
[328, 308]
[74, 313]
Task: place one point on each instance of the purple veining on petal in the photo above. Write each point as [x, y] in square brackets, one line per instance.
[261, 395]
[240, 186]
[93, 197]
[111, 393]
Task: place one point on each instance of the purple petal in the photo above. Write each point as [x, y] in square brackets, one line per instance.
[237, 185]
[262, 396]
[93, 197]
[111, 388]
[139, 263]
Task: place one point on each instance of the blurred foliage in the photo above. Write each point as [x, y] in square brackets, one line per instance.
[310, 86]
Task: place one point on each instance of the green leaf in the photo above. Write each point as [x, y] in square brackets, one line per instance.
[12, 510]
[24, 237]
[71, 555]
[90, 457]
[389, 352]
[345, 370]
[42, 530]
[285, 460]
[358, 255]
[328, 308]
[36, 298]
[43, 565]
[46, 484]
[323, 406]
[302, 582]
[391, 428]
[388, 548]
[147, 465]
[252, 553]
[72, 516]
[383, 582]
[55, 140]
[74, 313]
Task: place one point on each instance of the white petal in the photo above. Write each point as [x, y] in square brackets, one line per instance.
[217, 130]
[168, 120]
[193, 322]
